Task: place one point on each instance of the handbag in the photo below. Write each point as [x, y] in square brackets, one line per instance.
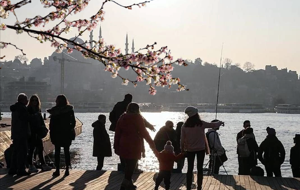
[42, 131]
[223, 157]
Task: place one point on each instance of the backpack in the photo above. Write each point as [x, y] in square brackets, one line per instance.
[243, 149]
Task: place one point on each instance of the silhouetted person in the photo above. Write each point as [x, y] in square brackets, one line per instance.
[166, 160]
[193, 140]
[130, 132]
[19, 134]
[118, 110]
[216, 149]
[62, 124]
[271, 153]
[295, 156]
[35, 142]
[166, 133]
[246, 124]
[248, 148]
[180, 162]
[101, 146]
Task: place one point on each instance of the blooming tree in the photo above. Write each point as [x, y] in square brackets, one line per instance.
[151, 64]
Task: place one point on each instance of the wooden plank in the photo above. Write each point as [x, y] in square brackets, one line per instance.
[111, 180]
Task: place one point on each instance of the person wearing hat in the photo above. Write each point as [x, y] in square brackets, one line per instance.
[166, 160]
[271, 153]
[193, 141]
[295, 156]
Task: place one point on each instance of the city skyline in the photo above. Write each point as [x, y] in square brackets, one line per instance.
[263, 33]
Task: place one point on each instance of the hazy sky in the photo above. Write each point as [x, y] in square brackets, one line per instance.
[264, 32]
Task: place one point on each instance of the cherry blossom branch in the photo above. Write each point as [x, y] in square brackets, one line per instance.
[5, 44]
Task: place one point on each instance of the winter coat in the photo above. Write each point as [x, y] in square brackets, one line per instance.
[101, 146]
[166, 160]
[19, 121]
[130, 132]
[115, 114]
[214, 142]
[271, 151]
[62, 124]
[36, 120]
[295, 156]
[163, 135]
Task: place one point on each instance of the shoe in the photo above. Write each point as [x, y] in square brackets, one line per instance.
[67, 173]
[23, 173]
[45, 167]
[12, 172]
[98, 168]
[32, 169]
[56, 173]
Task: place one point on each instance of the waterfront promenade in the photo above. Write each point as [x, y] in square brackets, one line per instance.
[111, 180]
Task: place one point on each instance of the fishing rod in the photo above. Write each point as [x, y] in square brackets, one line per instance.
[219, 79]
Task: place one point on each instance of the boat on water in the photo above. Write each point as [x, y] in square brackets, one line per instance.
[5, 134]
[287, 108]
[233, 108]
[150, 107]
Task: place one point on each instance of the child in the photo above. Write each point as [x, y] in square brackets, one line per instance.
[166, 160]
[102, 146]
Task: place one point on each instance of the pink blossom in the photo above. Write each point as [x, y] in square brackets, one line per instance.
[70, 50]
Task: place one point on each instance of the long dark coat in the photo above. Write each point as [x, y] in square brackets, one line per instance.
[19, 121]
[163, 135]
[102, 146]
[116, 113]
[62, 124]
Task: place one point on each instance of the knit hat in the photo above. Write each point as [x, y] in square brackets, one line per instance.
[271, 131]
[191, 111]
[168, 147]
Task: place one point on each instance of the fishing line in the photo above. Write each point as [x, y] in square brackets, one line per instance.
[219, 79]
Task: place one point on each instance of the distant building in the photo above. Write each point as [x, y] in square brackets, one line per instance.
[29, 87]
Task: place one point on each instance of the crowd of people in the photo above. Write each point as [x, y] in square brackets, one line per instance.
[28, 129]
[170, 145]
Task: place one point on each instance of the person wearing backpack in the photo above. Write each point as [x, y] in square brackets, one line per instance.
[246, 124]
[247, 151]
[271, 153]
[216, 149]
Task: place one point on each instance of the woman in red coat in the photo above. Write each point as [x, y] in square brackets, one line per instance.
[130, 132]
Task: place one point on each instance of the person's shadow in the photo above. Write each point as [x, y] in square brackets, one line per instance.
[278, 182]
[228, 180]
[87, 176]
[8, 180]
[115, 180]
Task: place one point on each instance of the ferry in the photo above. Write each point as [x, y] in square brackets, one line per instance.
[231, 108]
[93, 107]
[150, 107]
[287, 108]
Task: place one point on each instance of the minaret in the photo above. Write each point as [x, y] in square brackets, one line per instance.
[132, 48]
[91, 38]
[126, 45]
[100, 33]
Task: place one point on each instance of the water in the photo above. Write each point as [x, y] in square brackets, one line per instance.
[286, 126]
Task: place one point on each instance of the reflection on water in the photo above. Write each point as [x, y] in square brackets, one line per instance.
[286, 126]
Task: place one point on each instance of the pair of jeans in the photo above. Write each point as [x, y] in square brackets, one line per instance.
[67, 156]
[215, 163]
[273, 169]
[189, 176]
[35, 144]
[163, 175]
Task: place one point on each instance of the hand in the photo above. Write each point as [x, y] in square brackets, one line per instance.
[222, 123]
[152, 128]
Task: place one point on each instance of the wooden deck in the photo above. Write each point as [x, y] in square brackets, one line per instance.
[81, 179]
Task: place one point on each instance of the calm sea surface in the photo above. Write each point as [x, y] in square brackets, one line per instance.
[286, 125]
